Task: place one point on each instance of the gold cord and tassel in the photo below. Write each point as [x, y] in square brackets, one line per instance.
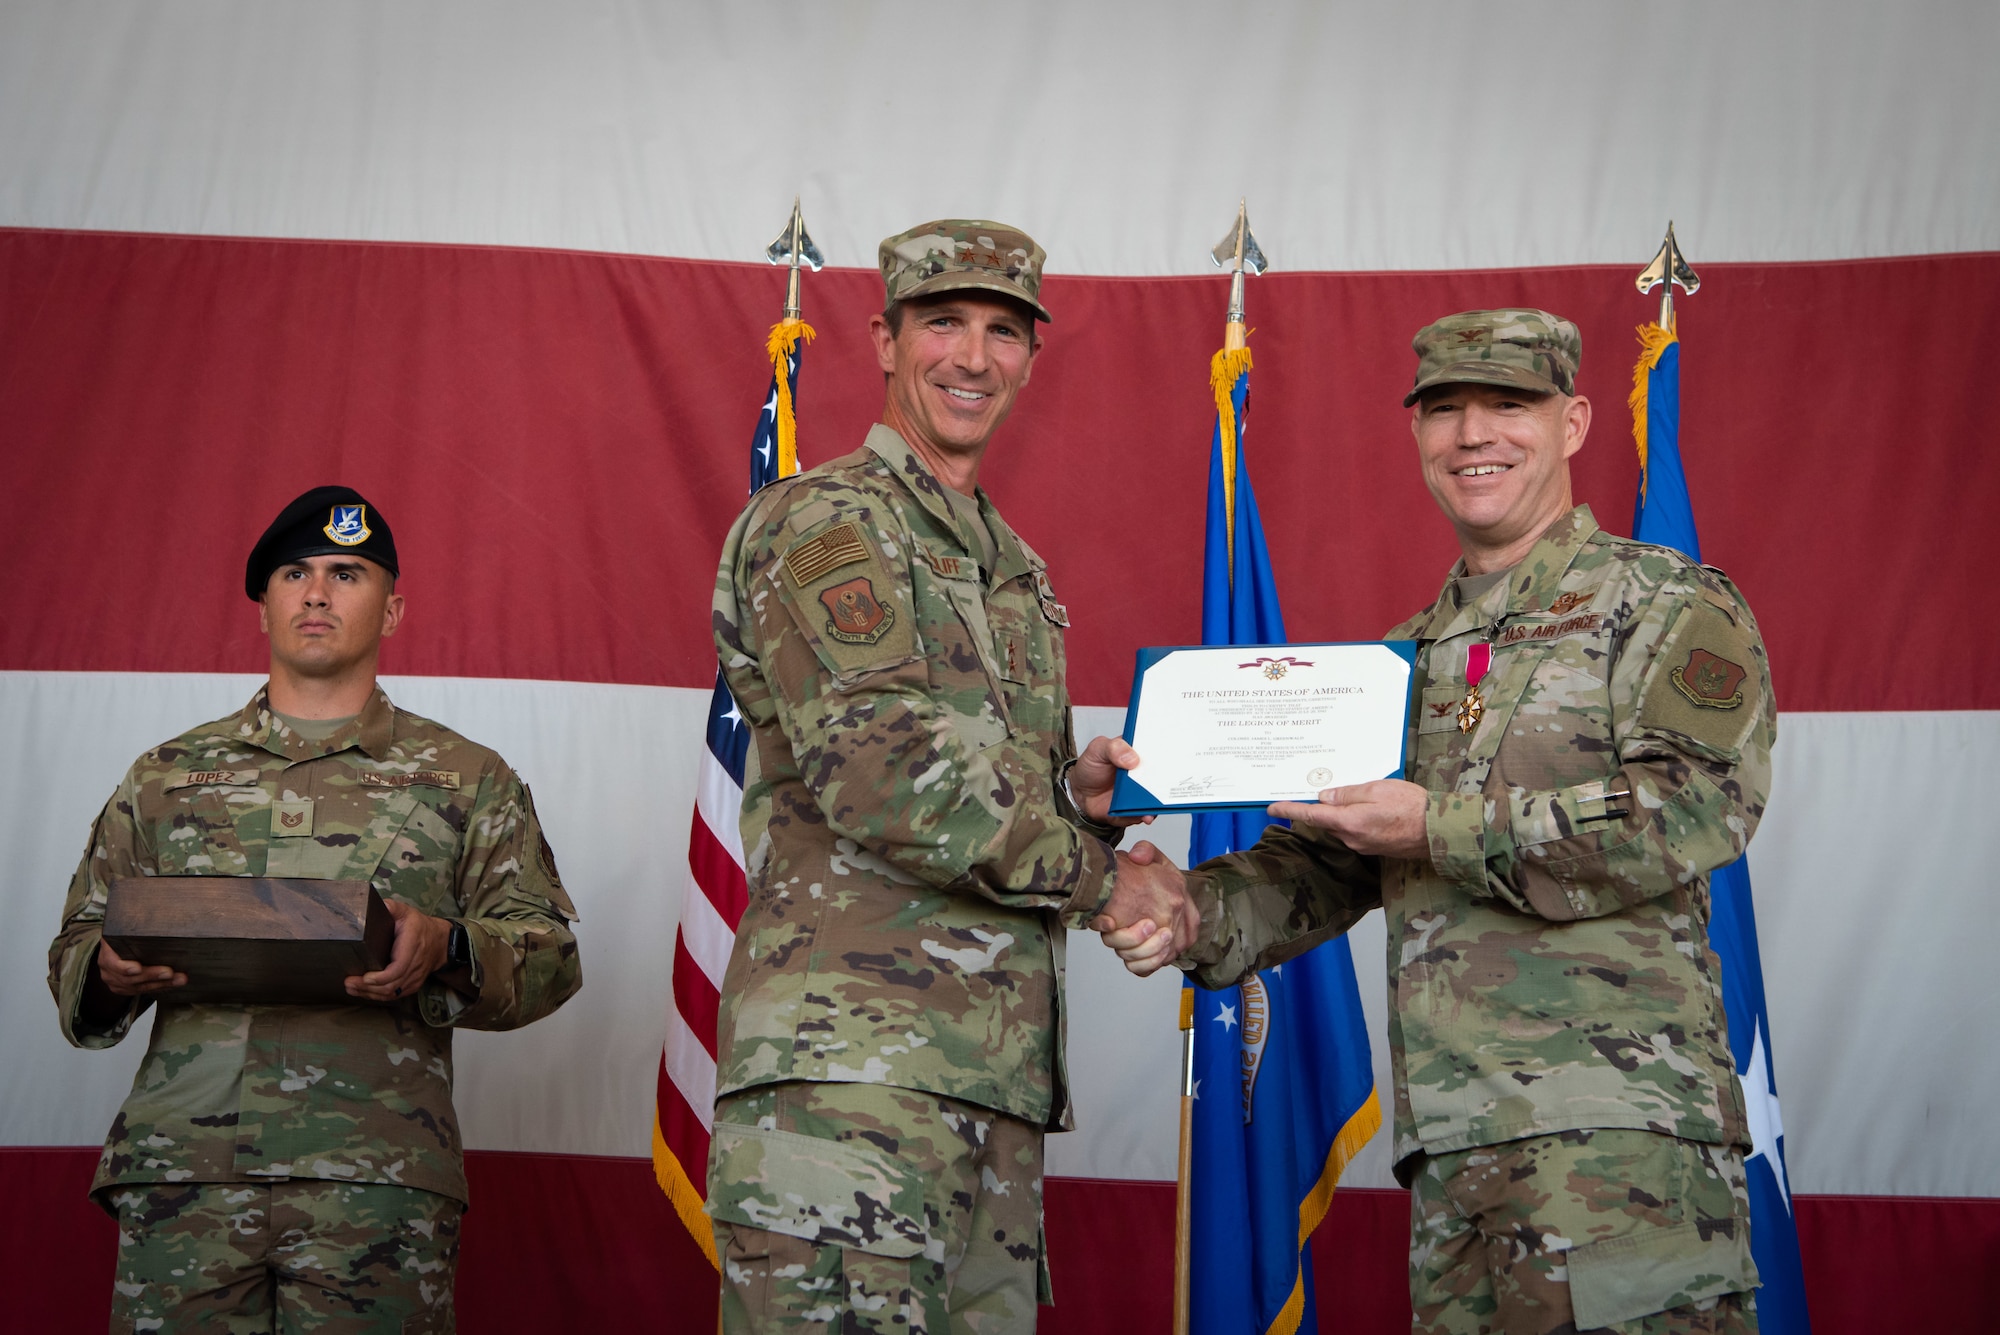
[1653, 343]
[786, 335]
[1224, 369]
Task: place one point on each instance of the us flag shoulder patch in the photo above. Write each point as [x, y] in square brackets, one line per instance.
[815, 558]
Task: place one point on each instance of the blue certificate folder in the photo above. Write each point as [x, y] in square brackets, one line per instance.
[1131, 798]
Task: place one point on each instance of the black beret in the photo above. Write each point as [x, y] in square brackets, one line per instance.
[324, 522]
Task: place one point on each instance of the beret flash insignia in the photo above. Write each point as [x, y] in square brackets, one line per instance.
[348, 525]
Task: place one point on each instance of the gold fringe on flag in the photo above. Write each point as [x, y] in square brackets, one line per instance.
[1224, 369]
[683, 1193]
[785, 336]
[1653, 342]
[1367, 1120]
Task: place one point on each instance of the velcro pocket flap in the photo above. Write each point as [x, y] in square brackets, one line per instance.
[1623, 1279]
[824, 1191]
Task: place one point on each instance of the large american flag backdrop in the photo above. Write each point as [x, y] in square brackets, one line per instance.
[485, 262]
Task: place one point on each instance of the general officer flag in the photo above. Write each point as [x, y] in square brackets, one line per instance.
[1664, 515]
[1284, 1088]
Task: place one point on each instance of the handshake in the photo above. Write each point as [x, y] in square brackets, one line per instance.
[1149, 918]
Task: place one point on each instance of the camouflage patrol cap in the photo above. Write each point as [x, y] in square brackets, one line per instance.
[1525, 349]
[322, 522]
[956, 253]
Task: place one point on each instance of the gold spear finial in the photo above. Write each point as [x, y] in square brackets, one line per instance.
[794, 245]
[1668, 268]
[1238, 252]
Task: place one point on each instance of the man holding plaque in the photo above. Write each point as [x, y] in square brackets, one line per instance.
[294, 1166]
[1592, 738]
[890, 1045]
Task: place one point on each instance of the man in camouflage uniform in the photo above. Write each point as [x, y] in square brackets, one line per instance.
[299, 1167]
[890, 1045]
[1592, 737]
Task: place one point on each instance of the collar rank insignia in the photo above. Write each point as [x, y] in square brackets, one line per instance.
[348, 525]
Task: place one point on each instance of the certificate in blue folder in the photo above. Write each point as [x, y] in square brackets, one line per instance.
[1238, 727]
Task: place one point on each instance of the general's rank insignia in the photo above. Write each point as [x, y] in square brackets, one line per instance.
[348, 525]
[1710, 681]
[856, 615]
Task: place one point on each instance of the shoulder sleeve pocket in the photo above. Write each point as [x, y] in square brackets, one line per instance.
[825, 1191]
[851, 606]
[1707, 685]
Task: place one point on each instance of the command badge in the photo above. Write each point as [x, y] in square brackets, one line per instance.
[1709, 681]
[857, 616]
[348, 525]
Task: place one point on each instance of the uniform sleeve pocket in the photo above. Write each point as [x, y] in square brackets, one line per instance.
[824, 1191]
[848, 602]
[1623, 1279]
[1539, 816]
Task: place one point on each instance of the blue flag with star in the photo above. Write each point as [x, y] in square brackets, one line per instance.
[1284, 1088]
[1664, 515]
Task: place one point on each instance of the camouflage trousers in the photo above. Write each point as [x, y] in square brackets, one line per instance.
[855, 1208]
[257, 1258]
[1625, 1231]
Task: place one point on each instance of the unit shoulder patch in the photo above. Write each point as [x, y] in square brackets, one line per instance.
[1709, 680]
[855, 614]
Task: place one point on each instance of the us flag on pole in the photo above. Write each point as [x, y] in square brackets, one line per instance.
[715, 895]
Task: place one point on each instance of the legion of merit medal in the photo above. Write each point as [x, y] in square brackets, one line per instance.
[1478, 658]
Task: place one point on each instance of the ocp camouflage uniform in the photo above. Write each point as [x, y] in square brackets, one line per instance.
[356, 1094]
[913, 860]
[1549, 964]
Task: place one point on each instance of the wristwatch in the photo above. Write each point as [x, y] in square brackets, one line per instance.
[458, 951]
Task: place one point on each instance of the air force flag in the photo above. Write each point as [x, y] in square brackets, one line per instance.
[1665, 515]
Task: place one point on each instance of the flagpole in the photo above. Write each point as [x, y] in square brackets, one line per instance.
[1668, 268]
[1184, 1194]
[793, 247]
[1239, 253]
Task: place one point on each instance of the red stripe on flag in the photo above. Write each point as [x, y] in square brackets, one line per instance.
[681, 1127]
[184, 388]
[717, 873]
[695, 998]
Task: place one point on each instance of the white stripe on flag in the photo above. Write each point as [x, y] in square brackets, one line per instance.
[720, 802]
[689, 1067]
[708, 938]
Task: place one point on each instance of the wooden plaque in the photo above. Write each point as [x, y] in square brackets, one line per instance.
[251, 939]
